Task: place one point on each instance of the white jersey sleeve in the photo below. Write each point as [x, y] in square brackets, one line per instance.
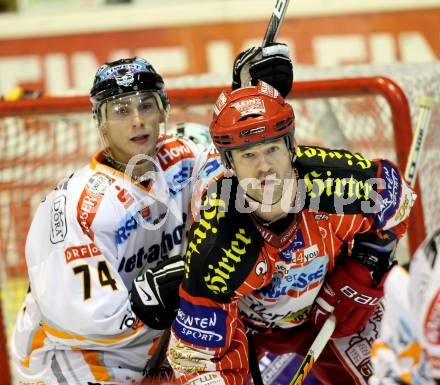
[408, 349]
[425, 300]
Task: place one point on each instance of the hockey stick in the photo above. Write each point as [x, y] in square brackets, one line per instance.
[158, 354]
[315, 350]
[426, 104]
[275, 22]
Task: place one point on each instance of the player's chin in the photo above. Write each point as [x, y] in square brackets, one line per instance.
[146, 149]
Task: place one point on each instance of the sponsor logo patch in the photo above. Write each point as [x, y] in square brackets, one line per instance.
[220, 103]
[172, 152]
[153, 252]
[213, 378]
[288, 254]
[297, 280]
[58, 224]
[124, 197]
[390, 195]
[132, 222]
[268, 90]
[90, 200]
[78, 252]
[98, 183]
[201, 325]
[250, 106]
[298, 316]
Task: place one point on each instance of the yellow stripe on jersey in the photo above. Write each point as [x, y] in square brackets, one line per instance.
[70, 336]
[37, 342]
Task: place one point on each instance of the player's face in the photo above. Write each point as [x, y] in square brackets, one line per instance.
[268, 166]
[131, 125]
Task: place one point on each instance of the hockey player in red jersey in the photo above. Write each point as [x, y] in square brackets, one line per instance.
[285, 236]
[113, 226]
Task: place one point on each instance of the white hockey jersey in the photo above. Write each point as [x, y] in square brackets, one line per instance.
[408, 349]
[89, 239]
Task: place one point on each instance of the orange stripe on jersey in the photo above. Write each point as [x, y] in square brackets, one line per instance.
[70, 336]
[37, 342]
[154, 345]
[414, 352]
[173, 151]
[99, 371]
[96, 164]
[379, 346]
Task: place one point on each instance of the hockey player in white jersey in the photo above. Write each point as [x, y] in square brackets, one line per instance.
[96, 230]
[120, 218]
[408, 350]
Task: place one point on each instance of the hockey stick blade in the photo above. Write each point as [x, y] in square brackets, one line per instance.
[426, 105]
[275, 22]
[315, 350]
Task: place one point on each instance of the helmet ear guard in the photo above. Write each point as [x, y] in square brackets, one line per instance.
[249, 116]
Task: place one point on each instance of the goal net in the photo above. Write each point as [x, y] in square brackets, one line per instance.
[364, 109]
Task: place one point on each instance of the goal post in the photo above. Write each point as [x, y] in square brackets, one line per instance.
[46, 139]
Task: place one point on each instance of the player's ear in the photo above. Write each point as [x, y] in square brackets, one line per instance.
[294, 146]
[229, 171]
[163, 116]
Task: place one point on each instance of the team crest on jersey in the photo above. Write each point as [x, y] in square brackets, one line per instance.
[98, 183]
[288, 254]
[390, 195]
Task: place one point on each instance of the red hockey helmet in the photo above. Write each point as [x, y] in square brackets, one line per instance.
[249, 116]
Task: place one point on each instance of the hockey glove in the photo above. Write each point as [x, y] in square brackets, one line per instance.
[270, 64]
[154, 296]
[355, 287]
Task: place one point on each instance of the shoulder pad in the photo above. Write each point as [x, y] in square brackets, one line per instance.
[223, 245]
[336, 181]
